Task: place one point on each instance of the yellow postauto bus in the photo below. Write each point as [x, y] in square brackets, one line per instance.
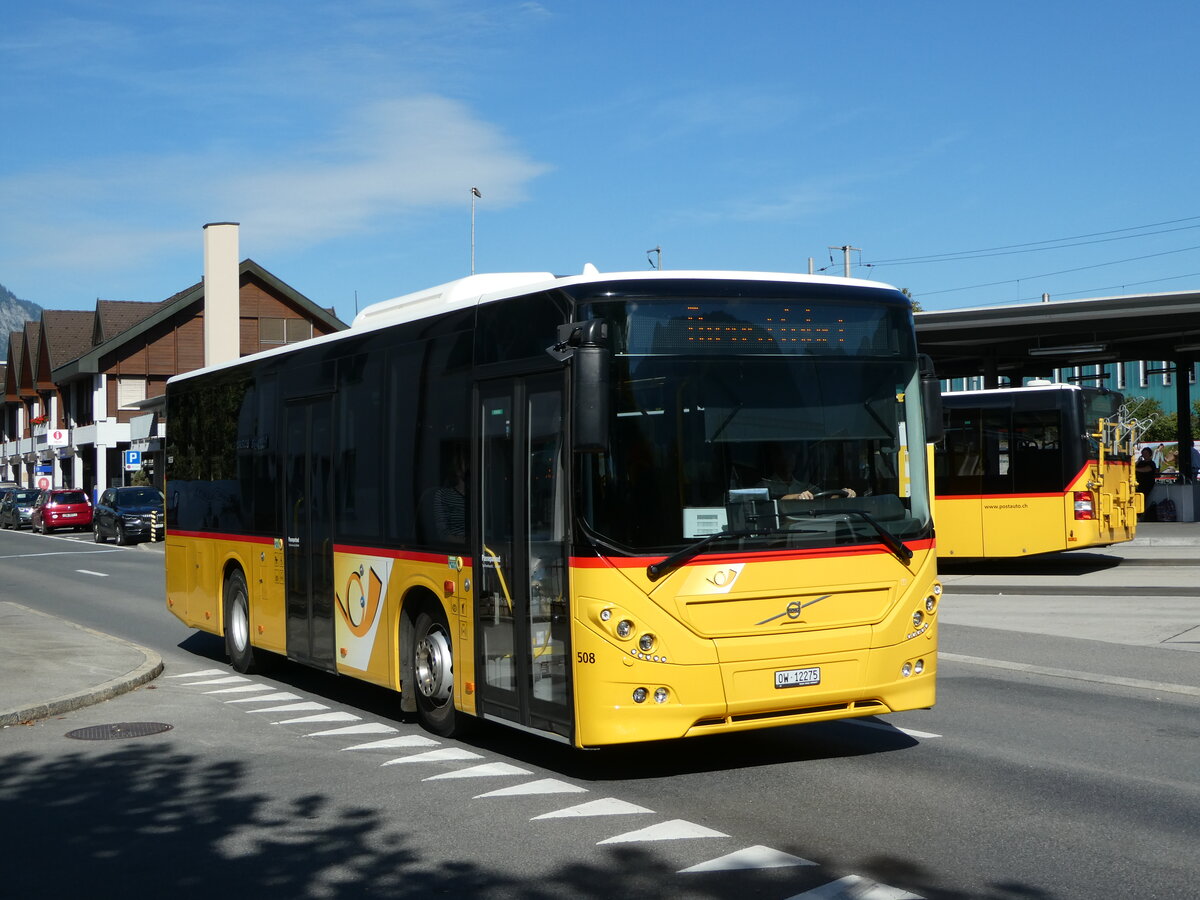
[602, 508]
[1035, 469]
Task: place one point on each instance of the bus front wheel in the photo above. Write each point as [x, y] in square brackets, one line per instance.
[433, 673]
[237, 623]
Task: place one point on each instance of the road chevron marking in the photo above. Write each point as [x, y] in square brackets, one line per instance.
[888, 726]
[855, 887]
[484, 770]
[323, 717]
[609, 806]
[267, 698]
[361, 728]
[226, 679]
[407, 740]
[446, 754]
[674, 830]
[291, 707]
[757, 857]
[542, 786]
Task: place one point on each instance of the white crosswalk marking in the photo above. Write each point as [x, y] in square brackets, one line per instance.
[243, 689]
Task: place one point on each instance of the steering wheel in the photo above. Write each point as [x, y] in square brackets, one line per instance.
[837, 493]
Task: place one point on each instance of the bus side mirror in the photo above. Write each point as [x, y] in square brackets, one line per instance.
[585, 344]
[931, 401]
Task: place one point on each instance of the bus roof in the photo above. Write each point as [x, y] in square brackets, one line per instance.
[487, 288]
[476, 289]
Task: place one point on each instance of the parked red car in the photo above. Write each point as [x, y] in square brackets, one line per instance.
[64, 508]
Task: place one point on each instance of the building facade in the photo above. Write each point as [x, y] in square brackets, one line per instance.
[81, 390]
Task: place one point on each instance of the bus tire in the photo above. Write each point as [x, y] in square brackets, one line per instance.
[432, 654]
[242, 655]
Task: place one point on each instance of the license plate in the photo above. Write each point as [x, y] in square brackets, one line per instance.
[787, 678]
[69, 515]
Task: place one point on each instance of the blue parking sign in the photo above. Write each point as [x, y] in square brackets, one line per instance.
[133, 459]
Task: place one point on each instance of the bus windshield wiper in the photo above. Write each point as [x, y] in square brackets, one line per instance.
[657, 570]
[890, 541]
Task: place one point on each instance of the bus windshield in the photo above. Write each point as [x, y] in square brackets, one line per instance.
[786, 423]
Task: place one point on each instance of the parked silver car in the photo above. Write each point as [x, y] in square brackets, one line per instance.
[16, 507]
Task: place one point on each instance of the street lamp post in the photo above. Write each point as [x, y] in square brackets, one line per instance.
[474, 193]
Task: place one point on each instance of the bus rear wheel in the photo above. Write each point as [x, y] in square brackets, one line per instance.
[433, 673]
[242, 654]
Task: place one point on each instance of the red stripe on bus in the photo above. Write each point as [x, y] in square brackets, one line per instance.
[213, 536]
[640, 562]
[1082, 473]
[1059, 494]
[410, 555]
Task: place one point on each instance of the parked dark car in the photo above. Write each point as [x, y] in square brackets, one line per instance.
[17, 506]
[129, 514]
[61, 508]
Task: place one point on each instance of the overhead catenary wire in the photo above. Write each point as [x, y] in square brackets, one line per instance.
[1034, 246]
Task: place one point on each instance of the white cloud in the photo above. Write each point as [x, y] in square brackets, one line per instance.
[387, 160]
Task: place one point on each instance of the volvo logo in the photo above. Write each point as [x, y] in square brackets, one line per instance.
[794, 609]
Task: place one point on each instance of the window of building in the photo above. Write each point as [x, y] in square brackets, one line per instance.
[130, 392]
[284, 331]
[1143, 378]
[1120, 367]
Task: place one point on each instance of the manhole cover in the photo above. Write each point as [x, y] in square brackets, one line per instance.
[118, 731]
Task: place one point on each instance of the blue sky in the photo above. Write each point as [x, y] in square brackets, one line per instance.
[1050, 146]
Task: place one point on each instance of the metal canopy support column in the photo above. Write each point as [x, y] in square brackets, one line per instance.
[991, 377]
[1183, 417]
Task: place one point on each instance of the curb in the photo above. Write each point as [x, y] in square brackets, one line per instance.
[150, 668]
[997, 589]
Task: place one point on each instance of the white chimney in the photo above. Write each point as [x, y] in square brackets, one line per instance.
[222, 306]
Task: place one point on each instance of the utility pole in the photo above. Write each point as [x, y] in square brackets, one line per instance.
[656, 250]
[846, 254]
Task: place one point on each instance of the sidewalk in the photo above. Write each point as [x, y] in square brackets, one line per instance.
[49, 665]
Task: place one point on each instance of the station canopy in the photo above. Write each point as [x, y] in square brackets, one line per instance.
[1033, 339]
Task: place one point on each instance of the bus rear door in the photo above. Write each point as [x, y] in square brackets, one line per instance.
[308, 553]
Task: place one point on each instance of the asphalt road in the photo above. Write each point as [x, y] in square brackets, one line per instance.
[1020, 783]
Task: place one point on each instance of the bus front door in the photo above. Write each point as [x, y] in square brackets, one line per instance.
[308, 554]
[521, 620]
